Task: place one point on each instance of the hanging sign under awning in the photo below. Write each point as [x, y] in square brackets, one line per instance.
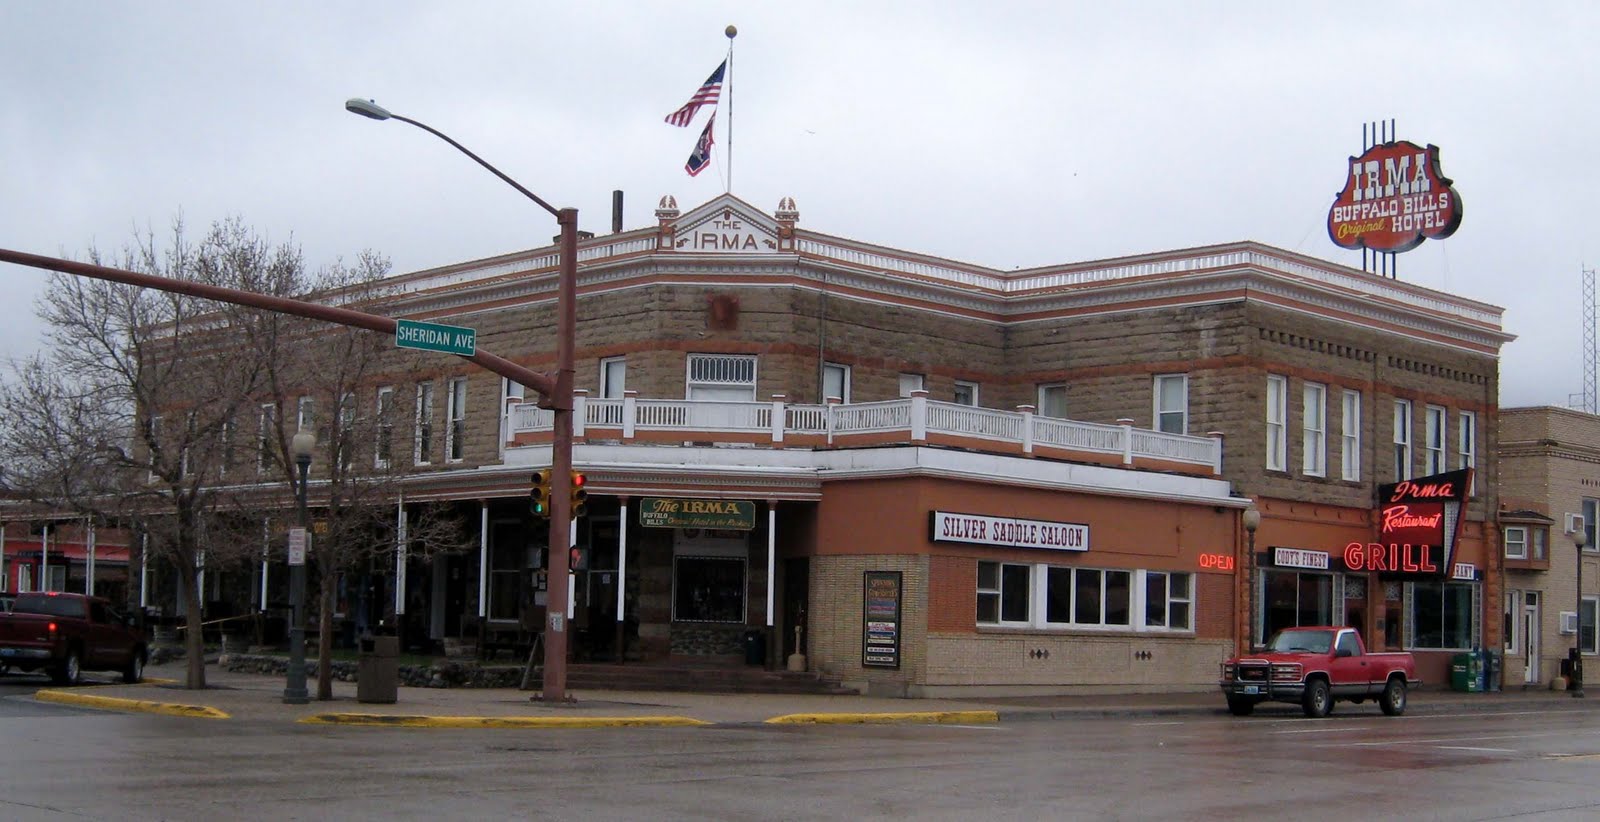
[675, 512]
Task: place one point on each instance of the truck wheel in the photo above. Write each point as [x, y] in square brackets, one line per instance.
[67, 672]
[1318, 701]
[1393, 700]
[1241, 707]
[134, 672]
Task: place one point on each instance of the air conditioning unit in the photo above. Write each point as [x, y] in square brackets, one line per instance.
[1574, 523]
[1569, 622]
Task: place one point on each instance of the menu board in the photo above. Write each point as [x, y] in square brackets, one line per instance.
[880, 625]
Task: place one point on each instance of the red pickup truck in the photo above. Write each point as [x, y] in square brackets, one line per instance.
[1315, 667]
[67, 634]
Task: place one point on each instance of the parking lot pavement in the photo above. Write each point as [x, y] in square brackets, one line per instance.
[259, 698]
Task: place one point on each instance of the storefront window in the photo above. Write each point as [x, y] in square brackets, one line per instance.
[1293, 599]
[1441, 615]
[1003, 593]
[1166, 600]
[1099, 597]
[708, 589]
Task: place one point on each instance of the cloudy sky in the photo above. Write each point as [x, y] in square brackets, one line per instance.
[1009, 134]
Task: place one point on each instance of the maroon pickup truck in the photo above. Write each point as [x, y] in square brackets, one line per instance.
[67, 634]
[1313, 667]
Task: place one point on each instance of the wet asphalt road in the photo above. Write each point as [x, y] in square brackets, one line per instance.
[62, 763]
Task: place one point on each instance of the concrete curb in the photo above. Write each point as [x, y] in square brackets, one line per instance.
[112, 703]
[924, 717]
[425, 721]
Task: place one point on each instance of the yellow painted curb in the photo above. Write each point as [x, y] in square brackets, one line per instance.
[112, 703]
[882, 719]
[421, 721]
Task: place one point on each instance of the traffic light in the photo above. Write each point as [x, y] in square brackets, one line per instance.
[577, 559]
[541, 493]
[580, 494]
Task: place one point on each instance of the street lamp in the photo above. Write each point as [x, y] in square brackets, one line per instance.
[559, 400]
[294, 688]
[1252, 521]
[1579, 539]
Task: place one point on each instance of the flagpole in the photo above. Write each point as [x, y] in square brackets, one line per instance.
[732, 33]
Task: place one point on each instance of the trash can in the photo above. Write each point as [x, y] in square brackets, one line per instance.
[378, 669]
[755, 647]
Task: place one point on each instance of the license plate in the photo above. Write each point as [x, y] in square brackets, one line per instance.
[1251, 689]
[8, 651]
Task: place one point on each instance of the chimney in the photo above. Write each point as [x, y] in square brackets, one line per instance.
[616, 211]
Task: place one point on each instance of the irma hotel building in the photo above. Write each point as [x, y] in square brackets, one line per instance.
[937, 478]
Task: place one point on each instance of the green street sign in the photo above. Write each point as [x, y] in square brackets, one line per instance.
[731, 514]
[447, 339]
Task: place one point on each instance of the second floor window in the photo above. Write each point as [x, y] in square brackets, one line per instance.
[424, 440]
[966, 393]
[1435, 445]
[1053, 400]
[1350, 437]
[1516, 538]
[613, 377]
[266, 435]
[721, 377]
[909, 383]
[1402, 440]
[836, 382]
[1172, 403]
[455, 436]
[383, 413]
[1591, 510]
[1277, 423]
[1314, 443]
[307, 418]
[1467, 446]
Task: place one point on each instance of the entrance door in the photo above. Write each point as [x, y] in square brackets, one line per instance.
[1530, 637]
[600, 589]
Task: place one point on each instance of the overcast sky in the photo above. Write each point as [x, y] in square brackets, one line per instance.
[1008, 134]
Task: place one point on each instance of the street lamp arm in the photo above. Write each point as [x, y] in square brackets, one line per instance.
[554, 212]
[283, 305]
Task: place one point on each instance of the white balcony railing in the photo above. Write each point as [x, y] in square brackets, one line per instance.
[916, 419]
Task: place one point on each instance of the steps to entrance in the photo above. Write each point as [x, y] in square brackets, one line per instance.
[698, 678]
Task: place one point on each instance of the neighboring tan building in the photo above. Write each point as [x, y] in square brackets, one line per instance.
[1550, 491]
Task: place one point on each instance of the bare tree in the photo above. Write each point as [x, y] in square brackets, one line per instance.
[128, 414]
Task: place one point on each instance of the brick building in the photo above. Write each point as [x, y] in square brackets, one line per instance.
[1548, 494]
[939, 478]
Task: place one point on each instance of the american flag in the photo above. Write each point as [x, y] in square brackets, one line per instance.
[701, 157]
[706, 95]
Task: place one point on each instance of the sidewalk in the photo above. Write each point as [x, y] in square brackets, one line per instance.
[250, 697]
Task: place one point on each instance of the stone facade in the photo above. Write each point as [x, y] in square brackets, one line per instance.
[1227, 318]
